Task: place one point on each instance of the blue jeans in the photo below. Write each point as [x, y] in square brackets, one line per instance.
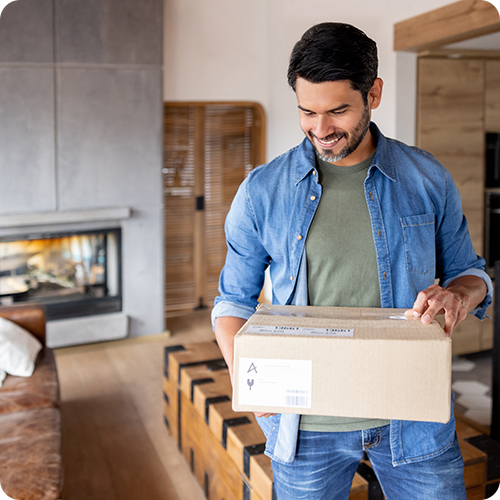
[325, 464]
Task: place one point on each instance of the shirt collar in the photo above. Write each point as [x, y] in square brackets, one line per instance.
[305, 160]
[383, 159]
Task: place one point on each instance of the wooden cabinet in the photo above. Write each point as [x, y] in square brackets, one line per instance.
[458, 102]
[492, 96]
[209, 148]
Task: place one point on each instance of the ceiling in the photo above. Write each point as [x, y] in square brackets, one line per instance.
[486, 42]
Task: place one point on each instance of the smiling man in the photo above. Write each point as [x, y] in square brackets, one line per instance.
[351, 218]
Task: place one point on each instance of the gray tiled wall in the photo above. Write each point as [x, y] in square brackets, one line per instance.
[143, 289]
[27, 169]
[27, 32]
[109, 140]
[81, 125]
[109, 31]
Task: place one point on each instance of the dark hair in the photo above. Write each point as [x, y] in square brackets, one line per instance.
[335, 51]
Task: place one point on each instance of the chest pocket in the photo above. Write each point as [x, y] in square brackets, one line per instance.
[419, 238]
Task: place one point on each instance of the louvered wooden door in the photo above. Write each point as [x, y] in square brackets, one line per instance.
[209, 148]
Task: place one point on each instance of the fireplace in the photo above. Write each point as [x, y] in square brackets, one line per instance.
[73, 274]
[122, 294]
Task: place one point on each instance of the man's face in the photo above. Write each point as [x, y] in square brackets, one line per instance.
[336, 119]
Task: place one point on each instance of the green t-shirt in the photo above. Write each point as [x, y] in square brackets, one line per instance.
[341, 261]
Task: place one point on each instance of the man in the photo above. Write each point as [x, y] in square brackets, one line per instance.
[351, 218]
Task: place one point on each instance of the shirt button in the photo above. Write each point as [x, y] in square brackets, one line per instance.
[314, 172]
[371, 195]
[299, 237]
[291, 278]
[379, 233]
[313, 198]
[385, 275]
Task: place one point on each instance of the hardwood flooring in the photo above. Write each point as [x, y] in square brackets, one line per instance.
[115, 444]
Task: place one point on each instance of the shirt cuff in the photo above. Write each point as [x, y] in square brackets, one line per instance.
[480, 310]
[226, 308]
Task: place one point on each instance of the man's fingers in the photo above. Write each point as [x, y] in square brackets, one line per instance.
[420, 304]
[434, 307]
[423, 299]
[453, 318]
[450, 321]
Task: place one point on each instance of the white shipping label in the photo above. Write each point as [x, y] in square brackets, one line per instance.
[301, 330]
[275, 382]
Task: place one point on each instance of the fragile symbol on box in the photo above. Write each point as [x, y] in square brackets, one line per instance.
[275, 382]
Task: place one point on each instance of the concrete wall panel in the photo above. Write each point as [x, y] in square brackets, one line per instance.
[109, 31]
[27, 32]
[143, 271]
[109, 137]
[27, 169]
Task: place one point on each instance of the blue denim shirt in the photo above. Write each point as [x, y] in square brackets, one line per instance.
[420, 235]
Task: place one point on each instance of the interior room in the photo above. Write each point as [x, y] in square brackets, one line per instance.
[127, 128]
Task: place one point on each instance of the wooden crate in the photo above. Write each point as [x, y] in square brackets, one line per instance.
[210, 464]
[177, 358]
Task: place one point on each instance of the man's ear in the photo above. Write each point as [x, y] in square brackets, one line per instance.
[375, 94]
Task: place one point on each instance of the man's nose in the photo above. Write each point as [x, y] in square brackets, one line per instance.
[323, 126]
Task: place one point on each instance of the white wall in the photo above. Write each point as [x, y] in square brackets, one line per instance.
[239, 50]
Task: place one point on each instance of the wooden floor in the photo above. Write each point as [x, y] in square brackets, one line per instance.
[115, 444]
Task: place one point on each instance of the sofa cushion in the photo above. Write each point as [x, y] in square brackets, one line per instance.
[29, 315]
[41, 390]
[18, 349]
[30, 454]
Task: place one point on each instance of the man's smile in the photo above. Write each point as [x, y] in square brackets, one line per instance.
[328, 141]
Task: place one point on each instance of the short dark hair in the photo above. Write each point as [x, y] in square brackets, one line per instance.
[335, 51]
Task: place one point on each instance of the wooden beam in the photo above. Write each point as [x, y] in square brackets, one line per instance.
[453, 23]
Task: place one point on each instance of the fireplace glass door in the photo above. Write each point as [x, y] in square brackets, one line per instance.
[72, 274]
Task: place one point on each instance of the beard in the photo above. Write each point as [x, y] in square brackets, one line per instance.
[353, 140]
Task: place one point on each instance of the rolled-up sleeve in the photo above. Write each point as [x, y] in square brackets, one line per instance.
[225, 308]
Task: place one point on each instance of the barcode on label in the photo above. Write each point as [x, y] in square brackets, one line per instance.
[297, 398]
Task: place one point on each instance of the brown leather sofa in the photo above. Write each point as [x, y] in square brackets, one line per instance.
[30, 421]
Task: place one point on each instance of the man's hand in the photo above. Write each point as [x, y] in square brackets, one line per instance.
[455, 302]
[258, 414]
[437, 300]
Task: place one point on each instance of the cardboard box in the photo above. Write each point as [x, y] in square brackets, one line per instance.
[349, 362]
